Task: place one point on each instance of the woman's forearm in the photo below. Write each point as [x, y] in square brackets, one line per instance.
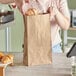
[6, 1]
[63, 22]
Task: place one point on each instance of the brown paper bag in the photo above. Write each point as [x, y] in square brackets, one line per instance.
[37, 40]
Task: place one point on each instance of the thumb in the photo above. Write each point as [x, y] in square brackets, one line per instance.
[50, 9]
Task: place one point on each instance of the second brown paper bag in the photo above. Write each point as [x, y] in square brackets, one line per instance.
[37, 40]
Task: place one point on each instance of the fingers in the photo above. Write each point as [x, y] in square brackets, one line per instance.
[48, 10]
[26, 1]
[19, 4]
[53, 4]
[54, 7]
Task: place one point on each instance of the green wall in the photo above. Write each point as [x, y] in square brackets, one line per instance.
[2, 40]
[2, 32]
[72, 4]
[16, 32]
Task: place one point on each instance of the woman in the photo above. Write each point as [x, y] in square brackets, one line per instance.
[59, 16]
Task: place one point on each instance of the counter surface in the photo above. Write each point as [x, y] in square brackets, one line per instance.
[61, 66]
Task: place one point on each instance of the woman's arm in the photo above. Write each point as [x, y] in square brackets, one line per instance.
[62, 20]
[62, 14]
[6, 1]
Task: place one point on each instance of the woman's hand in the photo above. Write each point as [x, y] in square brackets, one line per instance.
[20, 4]
[62, 20]
[52, 9]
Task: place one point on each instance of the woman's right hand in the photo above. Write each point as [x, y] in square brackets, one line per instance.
[20, 4]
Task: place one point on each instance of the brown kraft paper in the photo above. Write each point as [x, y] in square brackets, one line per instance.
[37, 40]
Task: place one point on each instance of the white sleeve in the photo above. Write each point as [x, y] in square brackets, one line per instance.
[64, 8]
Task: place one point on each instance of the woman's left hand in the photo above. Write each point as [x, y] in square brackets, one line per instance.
[52, 9]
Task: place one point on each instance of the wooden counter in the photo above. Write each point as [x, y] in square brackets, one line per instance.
[72, 28]
[3, 67]
[2, 71]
